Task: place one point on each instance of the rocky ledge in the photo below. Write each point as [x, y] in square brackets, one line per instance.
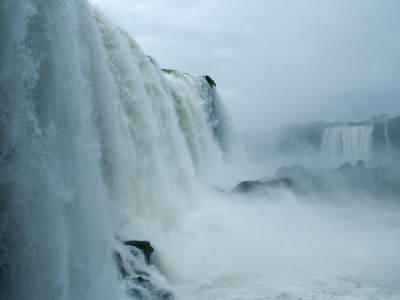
[261, 186]
[134, 265]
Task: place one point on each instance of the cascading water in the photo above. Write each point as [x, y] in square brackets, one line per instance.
[202, 119]
[99, 146]
[55, 122]
[94, 144]
[387, 141]
[346, 143]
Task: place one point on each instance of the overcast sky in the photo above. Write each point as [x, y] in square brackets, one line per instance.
[277, 62]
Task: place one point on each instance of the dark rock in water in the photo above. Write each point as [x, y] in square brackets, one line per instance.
[360, 164]
[148, 290]
[393, 130]
[246, 186]
[142, 273]
[141, 279]
[253, 186]
[164, 295]
[135, 293]
[378, 145]
[120, 265]
[346, 167]
[140, 284]
[145, 246]
[144, 282]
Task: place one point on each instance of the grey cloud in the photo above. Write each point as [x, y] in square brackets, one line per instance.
[278, 61]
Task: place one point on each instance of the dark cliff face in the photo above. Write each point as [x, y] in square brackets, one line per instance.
[378, 146]
[378, 136]
[385, 148]
[210, 81]
[394, 133]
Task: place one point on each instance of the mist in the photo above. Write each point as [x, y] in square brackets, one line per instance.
[281, 245]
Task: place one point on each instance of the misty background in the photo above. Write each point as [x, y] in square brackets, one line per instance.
[99, 149]
[277, 62]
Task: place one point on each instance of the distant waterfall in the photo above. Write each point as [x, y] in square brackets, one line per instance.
[96, 143]
[387, 141]
[346, 143]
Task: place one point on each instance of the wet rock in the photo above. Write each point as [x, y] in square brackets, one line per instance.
[134, 293]
[165, 295]
[144, 246]
[120, 265]
[346, 167]
[140, 284]
[360, 165]
[210, 81]
[261, 186]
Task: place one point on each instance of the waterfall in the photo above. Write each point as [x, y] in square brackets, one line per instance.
[346, 143]
[203, 117]
[97, 145]
[387, 142]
